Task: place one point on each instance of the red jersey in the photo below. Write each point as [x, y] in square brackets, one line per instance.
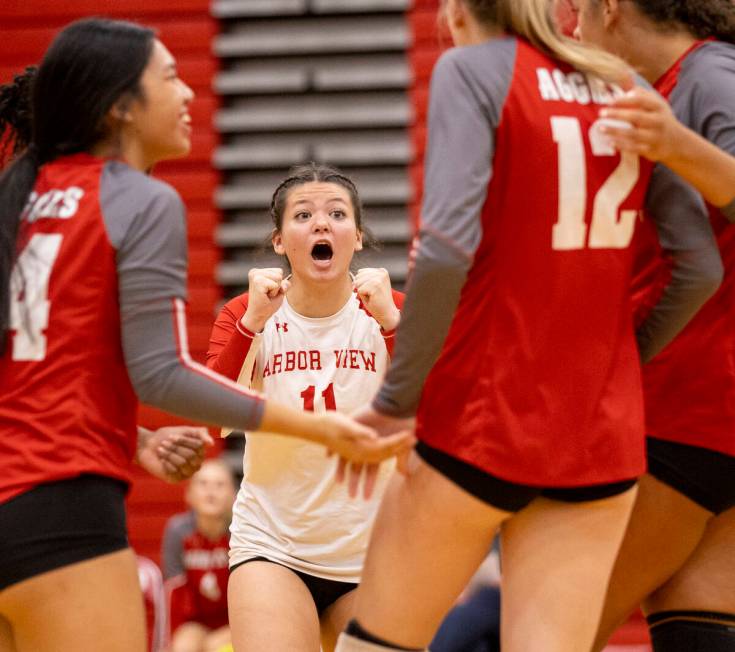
[539, 379]
[68, 406]
[200, 595]
[525, 264]
[690, 387]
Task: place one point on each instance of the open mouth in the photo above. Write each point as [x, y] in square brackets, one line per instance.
[322, 251]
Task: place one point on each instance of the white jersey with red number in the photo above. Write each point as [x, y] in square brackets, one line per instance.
[289, 508]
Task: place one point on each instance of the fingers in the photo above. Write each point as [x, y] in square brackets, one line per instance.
[642, 98]
[267, 280]
[634, 117]
[353, 486]
[371, 477]
[341, 470]
[371, 279]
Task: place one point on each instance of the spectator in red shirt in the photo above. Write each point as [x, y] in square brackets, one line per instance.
[199, 595]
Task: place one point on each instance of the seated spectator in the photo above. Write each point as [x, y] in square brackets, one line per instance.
[473, 625]
[199, 594]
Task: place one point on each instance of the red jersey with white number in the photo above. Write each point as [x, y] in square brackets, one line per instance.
[67, 403]
[289, 507]
[538, 381]
[200, 595]
[690, 387]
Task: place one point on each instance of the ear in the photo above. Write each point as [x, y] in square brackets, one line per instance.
[120, 111]
[277, 241]
[358, 243]
[456, 13]
[610, 12]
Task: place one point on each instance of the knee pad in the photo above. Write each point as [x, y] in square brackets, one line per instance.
[692, 631]
[356, 639]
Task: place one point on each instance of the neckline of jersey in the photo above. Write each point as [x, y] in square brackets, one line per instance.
[319, 320]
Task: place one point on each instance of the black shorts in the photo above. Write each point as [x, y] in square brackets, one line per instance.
[704, 476]
[60, 523]
[510, 496]
[324, 592]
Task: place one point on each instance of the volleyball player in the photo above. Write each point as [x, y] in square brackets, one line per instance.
[517, 325]
[92, 290]
[676, 558]
[298, 539]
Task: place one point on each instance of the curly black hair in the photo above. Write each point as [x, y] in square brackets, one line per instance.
[16, 117]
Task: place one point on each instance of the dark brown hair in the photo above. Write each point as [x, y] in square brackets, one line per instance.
[703, 18]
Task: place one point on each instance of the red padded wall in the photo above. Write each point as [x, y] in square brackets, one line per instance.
[429, 41]
[185, 26]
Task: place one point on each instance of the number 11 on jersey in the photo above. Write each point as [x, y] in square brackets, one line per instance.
[328, 395]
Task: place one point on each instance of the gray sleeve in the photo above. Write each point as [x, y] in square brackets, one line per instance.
[685, 233]
[178, 527]
[709, 87]
[145, 222]
[704, 98]
[465, 106]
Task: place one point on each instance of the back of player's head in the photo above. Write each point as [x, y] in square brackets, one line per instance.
[532, 20]
[703, 18]
[62, 108]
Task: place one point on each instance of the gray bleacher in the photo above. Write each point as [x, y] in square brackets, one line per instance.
[321, 80]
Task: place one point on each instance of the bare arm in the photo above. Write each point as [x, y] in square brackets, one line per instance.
[657, 135]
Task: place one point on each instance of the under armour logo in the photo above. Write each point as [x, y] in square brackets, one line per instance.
[283, 326]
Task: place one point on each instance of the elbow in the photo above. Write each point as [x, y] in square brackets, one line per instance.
[152, 388]
[712, 276]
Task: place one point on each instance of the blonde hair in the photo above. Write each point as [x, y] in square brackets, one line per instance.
[531, 20]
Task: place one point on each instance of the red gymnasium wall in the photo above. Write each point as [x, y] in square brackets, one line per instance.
[429, 41]
[185, 26]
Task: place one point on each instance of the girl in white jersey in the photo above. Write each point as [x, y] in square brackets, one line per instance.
[318, 339]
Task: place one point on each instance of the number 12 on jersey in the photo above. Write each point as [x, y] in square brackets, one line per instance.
[610, 227]
[328, 395]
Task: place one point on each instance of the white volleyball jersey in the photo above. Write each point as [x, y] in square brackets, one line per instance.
[289, 508]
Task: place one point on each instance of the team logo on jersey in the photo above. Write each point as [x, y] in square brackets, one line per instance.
[209, 587]
[282, 325]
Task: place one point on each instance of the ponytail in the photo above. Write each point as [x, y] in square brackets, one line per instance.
[15, 114]
[16, 184]
[532, 20]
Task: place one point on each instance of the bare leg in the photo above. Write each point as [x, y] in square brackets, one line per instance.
[664, 530]
[429, 538]
[334, 619]
[271, 609]
[87, 606]
[557, 558]
[217, 639]
[189, 637]
[706, 581]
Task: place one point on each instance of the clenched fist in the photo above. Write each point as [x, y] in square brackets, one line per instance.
[373, 288]
[266, 289]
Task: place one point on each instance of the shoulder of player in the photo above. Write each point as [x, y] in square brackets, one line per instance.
[470, 59]
[142, 191]
[703, 67]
